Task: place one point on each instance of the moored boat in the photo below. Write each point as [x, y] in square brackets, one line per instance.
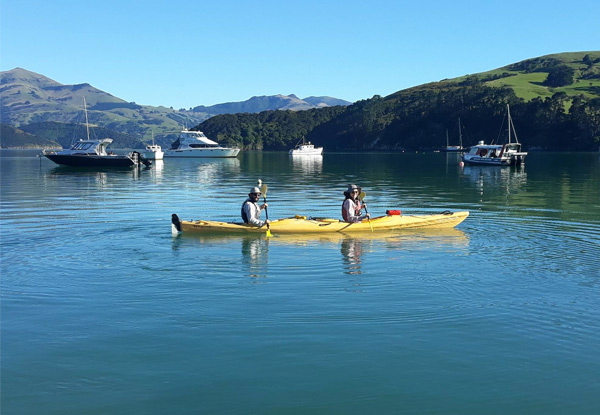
[458, 148]
[306, 149]
[195, 144]
[92, 153]
[304, 225]
[154, 152]
[498, 154]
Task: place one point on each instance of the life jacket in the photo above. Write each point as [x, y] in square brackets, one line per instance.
[245, 217]
[356, 212]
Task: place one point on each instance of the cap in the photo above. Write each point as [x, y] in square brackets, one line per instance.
[255, 190]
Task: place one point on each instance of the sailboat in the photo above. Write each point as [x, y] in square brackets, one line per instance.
[498, 154]
[92, 153]
[457, 148]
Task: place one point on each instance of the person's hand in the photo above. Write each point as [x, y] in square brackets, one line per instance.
[265, 205]
[368, 215]
[267, 221]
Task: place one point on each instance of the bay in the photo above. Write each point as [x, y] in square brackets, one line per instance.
[104, 311]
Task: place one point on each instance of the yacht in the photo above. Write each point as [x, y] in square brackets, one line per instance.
[196, 144]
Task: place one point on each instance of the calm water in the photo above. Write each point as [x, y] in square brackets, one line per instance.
[104, 312]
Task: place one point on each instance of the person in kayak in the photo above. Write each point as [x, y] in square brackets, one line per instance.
[251, 209]
[351, 207]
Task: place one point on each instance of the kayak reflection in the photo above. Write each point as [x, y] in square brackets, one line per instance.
[310, 254]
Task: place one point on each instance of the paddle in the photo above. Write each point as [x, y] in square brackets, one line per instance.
[361, 197]
[263, 190]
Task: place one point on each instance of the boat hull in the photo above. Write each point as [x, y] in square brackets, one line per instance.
[302, 225]
[201, 153]
[313, 152]
[90, 161]
[483, 161]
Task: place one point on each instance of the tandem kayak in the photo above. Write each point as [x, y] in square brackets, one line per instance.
[302, 224]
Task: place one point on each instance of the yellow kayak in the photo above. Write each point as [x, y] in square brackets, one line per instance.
[302, 224]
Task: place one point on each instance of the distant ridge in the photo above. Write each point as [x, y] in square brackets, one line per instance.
[268, 103]
[31, 98]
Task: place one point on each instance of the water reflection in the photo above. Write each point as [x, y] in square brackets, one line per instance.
[255, 252]
[157, 170]
[485, 178]
[209, 170]
[307, 164]
[99, 176]
[352, 250]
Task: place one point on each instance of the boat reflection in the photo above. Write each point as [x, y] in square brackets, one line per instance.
[157, 170]
[99, 176]
[307, 164]
[209, 170]
[510, 180]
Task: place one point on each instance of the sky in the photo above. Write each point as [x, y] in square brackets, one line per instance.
[182, 54]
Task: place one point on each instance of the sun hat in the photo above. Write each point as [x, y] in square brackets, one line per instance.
[255, 190]
[352, 187]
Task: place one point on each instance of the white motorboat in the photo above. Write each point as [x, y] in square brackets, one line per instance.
[306, 149]
[153, 151]
[498, 154]
[196, 144]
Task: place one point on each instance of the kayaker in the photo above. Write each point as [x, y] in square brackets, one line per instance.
[351, 207]
[251, 209]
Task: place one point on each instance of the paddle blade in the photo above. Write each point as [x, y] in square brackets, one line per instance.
[263, 190]
[361, 196]
[269, 234]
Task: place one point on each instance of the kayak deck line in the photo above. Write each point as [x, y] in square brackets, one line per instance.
[301, 224]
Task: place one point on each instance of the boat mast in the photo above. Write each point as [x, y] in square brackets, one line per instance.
[509, 122]
[447, 140]
[459, 134]
[87, 125]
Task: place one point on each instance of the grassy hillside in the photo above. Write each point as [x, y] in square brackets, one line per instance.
[527, 78]
[554, 100]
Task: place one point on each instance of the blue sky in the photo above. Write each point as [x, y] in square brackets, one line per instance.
[187, 53]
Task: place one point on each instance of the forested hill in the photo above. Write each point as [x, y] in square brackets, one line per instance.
[554, 101]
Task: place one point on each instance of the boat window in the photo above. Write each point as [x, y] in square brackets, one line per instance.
[202, 145]
[82, 146]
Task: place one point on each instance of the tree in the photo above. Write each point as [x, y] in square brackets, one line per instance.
[560, 75]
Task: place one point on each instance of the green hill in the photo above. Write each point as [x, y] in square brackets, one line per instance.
[554, 99]
[11, 137]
